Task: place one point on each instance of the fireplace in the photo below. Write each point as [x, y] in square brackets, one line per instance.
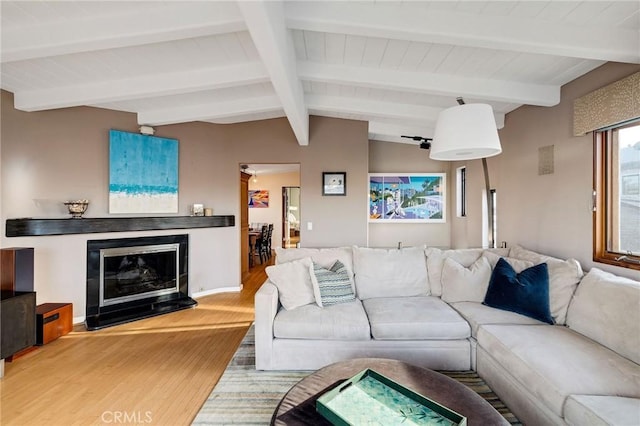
[134, 278]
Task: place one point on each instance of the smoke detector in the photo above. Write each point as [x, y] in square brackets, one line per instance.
[147, 130]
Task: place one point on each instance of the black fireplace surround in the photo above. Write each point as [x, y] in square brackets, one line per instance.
[133, 278]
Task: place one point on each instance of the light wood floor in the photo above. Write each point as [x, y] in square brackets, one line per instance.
[156, 371]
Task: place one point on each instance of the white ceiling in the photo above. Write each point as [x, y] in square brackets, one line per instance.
[395, 64]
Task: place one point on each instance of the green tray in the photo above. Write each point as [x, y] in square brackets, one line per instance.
[373, 399]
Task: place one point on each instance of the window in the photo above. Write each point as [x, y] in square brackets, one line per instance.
[617, 196]
[461, 199]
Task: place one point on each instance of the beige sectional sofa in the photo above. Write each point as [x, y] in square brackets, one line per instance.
[424, 306]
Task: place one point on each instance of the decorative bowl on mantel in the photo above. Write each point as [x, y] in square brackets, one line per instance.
[77, 208]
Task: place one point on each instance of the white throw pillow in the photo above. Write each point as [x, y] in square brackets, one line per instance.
[461, 284]
[325, 257]
[520, 252]
[564, 276]
[390, 272]
[518, 265]
[293, 280]
[465, 257]
[606, 308]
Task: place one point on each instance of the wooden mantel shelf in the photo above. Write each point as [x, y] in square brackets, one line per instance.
[28, 227]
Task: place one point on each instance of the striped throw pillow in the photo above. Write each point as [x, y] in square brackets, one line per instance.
[332, 286]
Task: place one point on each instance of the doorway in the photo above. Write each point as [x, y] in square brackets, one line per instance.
[290, 216]
[268, 179]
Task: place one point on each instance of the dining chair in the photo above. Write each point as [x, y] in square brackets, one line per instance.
[270, 234]
[262, 244]
[252, 251]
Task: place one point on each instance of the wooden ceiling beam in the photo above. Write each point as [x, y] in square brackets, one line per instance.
[266, 24]
[414, 22]
[174, 21]
[164, 84]
[209, 111]
[432, 83]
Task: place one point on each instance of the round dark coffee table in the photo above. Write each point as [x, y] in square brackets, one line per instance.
[298, 406]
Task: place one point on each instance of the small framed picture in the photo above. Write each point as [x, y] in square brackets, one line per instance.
[334, 183]
[197, 210]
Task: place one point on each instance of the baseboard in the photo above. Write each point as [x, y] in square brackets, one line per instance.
[217, 291]
[78, 320]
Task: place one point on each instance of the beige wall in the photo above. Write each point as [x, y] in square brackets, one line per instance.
[551, 213]
[334, 147]
[389, 157]
[467, 231]
[48, 157]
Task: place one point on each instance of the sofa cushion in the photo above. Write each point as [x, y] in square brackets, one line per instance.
[345, 321]
[525, 293]
[293, 280]
[331, 286]
[518, 265]
[390, 272]
[461, 284]
[325, 257]
[606, 308]
[599, 410]
[554, 362]
[414, 318]
[477, 314]
[564, 276]
[465, 257]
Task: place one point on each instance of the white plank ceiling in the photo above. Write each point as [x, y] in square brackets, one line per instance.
[395, 64]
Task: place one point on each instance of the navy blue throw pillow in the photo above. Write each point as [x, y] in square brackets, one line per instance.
[526, 293]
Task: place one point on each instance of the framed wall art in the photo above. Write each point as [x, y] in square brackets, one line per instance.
[258, 198]
[334, 183]
[407, 198]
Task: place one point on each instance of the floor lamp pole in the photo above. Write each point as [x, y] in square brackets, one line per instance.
[490, 206]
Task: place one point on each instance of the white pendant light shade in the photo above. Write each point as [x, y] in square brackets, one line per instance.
[465, 132]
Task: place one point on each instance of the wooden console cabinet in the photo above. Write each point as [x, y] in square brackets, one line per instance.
[52, 321]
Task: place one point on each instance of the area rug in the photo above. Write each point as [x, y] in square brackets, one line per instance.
[244, 396]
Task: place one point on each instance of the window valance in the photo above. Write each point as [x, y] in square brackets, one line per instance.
[613, 104]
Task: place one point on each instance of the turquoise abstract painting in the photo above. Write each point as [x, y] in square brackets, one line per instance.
[143, 173]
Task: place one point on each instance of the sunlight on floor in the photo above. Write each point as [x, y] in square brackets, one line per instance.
[223, 308]
[155, 330]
